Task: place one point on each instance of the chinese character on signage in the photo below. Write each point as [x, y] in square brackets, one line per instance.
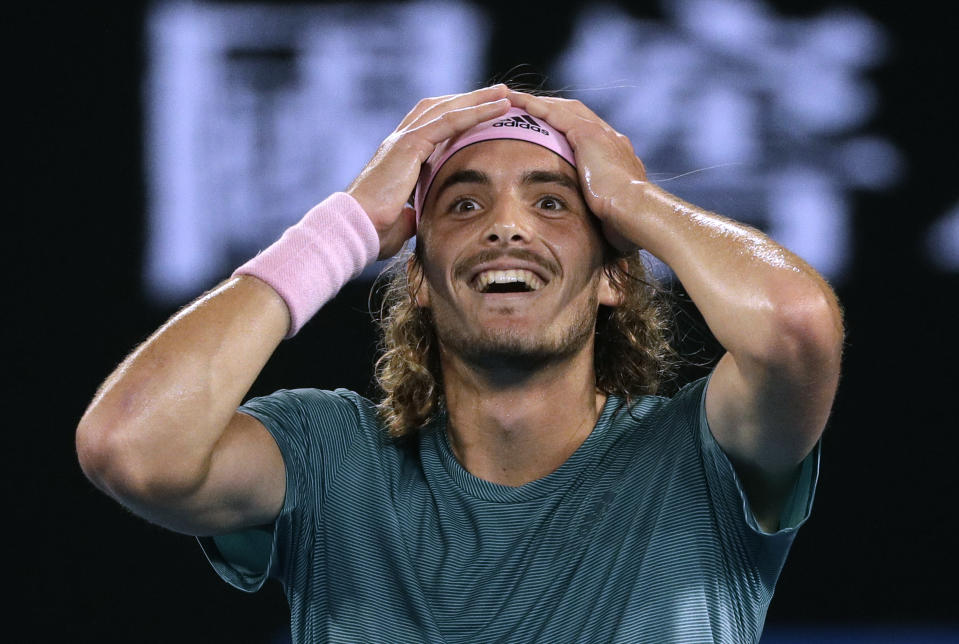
[257, 112]
[739, 110]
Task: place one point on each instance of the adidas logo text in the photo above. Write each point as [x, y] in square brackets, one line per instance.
[525, 122]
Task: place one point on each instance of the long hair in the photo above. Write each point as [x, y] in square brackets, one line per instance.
[633, 354]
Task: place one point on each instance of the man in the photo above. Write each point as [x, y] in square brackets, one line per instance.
[524, 495]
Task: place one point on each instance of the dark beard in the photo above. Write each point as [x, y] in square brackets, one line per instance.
[507, 352]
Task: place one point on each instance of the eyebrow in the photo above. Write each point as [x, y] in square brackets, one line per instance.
[544, 176]
[463, 176]
[468, 175]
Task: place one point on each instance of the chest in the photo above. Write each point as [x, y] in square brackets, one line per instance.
[587, 556]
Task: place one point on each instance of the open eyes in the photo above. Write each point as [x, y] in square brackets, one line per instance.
[465, 205]
[551, 203]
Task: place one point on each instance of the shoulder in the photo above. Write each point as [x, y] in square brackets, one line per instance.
[684, 409]
[308, 408]
[688, 401]
[317, 423]
[653, 433]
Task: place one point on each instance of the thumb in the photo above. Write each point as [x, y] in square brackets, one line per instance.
[404, 227]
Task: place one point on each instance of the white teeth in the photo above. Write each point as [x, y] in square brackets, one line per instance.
[484, 279]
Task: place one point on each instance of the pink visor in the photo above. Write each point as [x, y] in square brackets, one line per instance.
[515, 124]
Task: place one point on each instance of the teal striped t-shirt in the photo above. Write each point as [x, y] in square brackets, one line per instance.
[643, 535]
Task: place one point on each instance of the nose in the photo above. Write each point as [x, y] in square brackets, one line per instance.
[507, 225]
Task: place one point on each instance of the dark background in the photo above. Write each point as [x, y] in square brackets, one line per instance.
[878, 549]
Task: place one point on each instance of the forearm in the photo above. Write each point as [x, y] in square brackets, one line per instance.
[156, 420]
[761, 302]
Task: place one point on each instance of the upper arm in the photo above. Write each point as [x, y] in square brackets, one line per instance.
[244, 485]
[767, 414]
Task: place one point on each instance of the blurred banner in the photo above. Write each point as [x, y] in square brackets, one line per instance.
[738, 110]
[256, 112]
[943, 241]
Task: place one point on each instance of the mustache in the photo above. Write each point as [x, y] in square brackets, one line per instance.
[466, 266]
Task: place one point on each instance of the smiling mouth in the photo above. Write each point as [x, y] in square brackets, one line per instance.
[508, 281]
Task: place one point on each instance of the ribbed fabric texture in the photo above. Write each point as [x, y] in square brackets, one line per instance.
[314, 258]
[643, 535]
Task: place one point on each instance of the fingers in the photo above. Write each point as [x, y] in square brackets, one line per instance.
[429, 108]
[392, 240]
[435, 119]
[562, 113]
[571, 117]
[386, 182]
[452, 122]
[421, 107]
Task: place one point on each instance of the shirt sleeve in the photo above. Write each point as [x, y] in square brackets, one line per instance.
[799, 504]
[312, 429]
[745, 540]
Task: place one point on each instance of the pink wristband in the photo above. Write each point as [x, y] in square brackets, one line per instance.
[316, 257]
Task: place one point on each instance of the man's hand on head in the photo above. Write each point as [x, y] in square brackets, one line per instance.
[385, 184]
[610, 172]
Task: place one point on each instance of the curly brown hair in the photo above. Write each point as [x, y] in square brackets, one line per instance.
[633, 354]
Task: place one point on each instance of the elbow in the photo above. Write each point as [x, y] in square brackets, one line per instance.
[98, 452]
[805, 334]
[115, 459]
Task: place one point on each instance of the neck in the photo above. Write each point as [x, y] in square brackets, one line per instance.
[510, 426]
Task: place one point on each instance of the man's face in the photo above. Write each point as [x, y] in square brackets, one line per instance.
[511, 256]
